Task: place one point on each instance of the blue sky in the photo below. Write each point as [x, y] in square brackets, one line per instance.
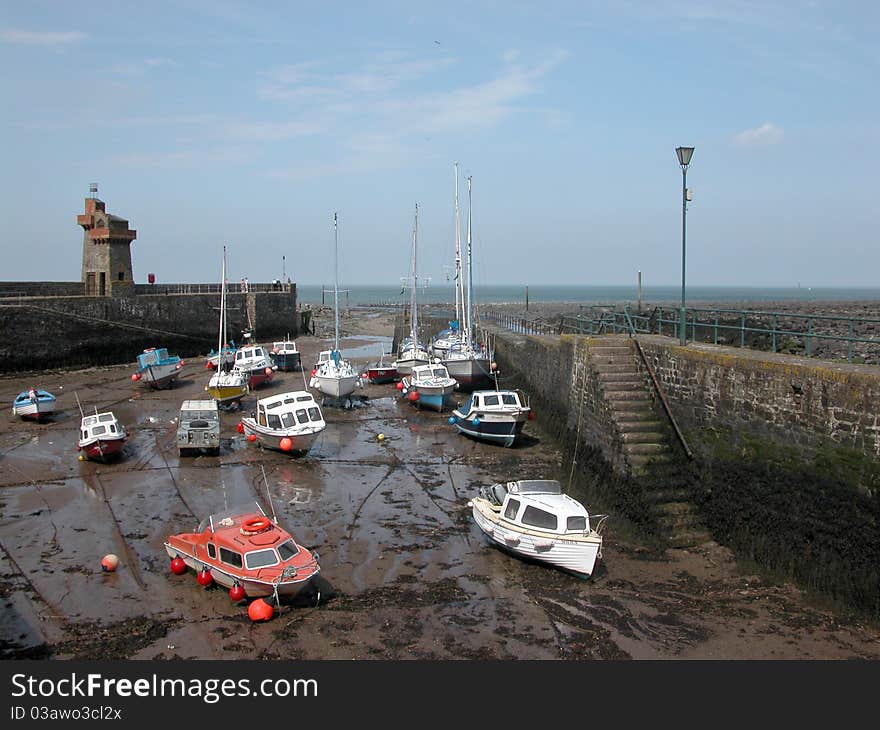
[248, 124]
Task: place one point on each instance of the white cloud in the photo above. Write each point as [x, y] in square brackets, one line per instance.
[40, 38]
[766, 134]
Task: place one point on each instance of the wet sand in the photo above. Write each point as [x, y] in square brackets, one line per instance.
[406, 574]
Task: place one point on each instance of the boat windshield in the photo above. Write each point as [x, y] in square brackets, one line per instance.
[288, 550]
[536, 486]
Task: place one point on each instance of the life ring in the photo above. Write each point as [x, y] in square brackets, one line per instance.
[255, 525]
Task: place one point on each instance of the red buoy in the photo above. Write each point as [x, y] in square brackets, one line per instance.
[204, 577]
[268, 372]
[531, 416]
[109, 563]
[236, 593]
[178, 566]
[240, 427]
[414, 396]
[399, 386]
[314, 370]
[259, 610]
[209, 365]
[135, 377]
[286, 444]
[252, 437]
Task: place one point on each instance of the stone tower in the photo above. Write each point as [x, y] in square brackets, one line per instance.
[106, 269]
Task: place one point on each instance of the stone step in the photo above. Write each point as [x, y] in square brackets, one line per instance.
[669, 494]
[616, 396]
[685, 538]
[628, 425]
[623, 387]
[674, 510]
[604, 350]
[645, 449]
[620, 376]
[607, 366]
[643, 437]
[680, 522]
[627, 411]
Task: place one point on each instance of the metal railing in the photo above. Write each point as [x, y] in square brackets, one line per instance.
[812, 335]
[520, 325]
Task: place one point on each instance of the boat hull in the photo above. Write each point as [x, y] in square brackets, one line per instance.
[160, 376]
[301, 441]
[434, 397]
[471, 373]
[287, 361]
[576, 556]
[503, 430]
[287, 588]
[335, 387]
[227, 394]
[382, 375]
[34, 411]
[102, 449]
[258, 376]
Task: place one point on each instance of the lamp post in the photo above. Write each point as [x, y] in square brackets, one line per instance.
[684, 159]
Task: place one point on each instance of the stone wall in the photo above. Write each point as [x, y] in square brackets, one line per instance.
[41, 289]
[66, 332]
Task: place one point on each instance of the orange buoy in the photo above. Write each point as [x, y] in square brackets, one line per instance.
[109, 563]
[268, 372]
[414, 396]
[252, 437]
[259, 610]
[286, 444]
[178, 566]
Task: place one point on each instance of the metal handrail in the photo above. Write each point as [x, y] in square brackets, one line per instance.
[657, 387]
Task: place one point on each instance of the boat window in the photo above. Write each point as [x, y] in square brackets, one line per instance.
[104, 417]
[112, 428]
[230, 557]
[314, 414]
[512, 509]
[261, 418]
[274, 421]
[304, 397]
[288, 401]
[539, 518]
[288, 550]
[260, 559]
[490, 400]
[577, 524]
[476, 400]
[99, 430]
[273, 405]
[509, 399]
[302, 416]
[212, 551]
[288, 420]
[439, 373]
[85, 434]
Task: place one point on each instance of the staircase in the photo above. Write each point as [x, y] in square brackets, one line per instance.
[653, 460]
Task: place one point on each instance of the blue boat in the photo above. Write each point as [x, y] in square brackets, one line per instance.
[492, 415]
[157, 368]
[429, 386]
[285, 355]
[33, 404]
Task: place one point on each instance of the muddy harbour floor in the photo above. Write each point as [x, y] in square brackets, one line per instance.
[406, 574]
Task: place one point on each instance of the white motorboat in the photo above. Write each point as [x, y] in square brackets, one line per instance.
[532, 518]
[333, 374]
[255, 363]
[288, 422]
[429, 386]
[492, 415]
[102, 436]
[34, 404]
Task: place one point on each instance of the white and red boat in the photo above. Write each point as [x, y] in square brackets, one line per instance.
[102, 436]
[243, 547]
[254, 361]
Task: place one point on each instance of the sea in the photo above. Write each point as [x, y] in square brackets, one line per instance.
[353, 296]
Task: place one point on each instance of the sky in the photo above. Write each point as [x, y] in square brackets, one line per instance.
[248, 124]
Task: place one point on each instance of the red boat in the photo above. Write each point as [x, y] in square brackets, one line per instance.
[379, 372]
[243, 547]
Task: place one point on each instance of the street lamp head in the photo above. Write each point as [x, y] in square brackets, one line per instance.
[684, 155]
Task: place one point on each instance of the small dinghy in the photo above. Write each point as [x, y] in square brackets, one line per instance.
[33, 404]
[532, 518]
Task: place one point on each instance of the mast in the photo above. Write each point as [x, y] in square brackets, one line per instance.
[415, 281]
[470, 291]
[221, 330]
[336, 280]
[459, 293]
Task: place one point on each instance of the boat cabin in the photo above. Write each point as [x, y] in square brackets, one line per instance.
[539, 504]
[101, 425]
[429, 374]
[249, 354]
[288, 410]
[494, 401]
[154, 356]
[230, 544]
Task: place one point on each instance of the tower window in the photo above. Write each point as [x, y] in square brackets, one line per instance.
[121, 276]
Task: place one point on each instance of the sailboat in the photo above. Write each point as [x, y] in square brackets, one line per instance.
[450, 336]
[333, 375]
[411, 352]
[468, 361]
[227, 385]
